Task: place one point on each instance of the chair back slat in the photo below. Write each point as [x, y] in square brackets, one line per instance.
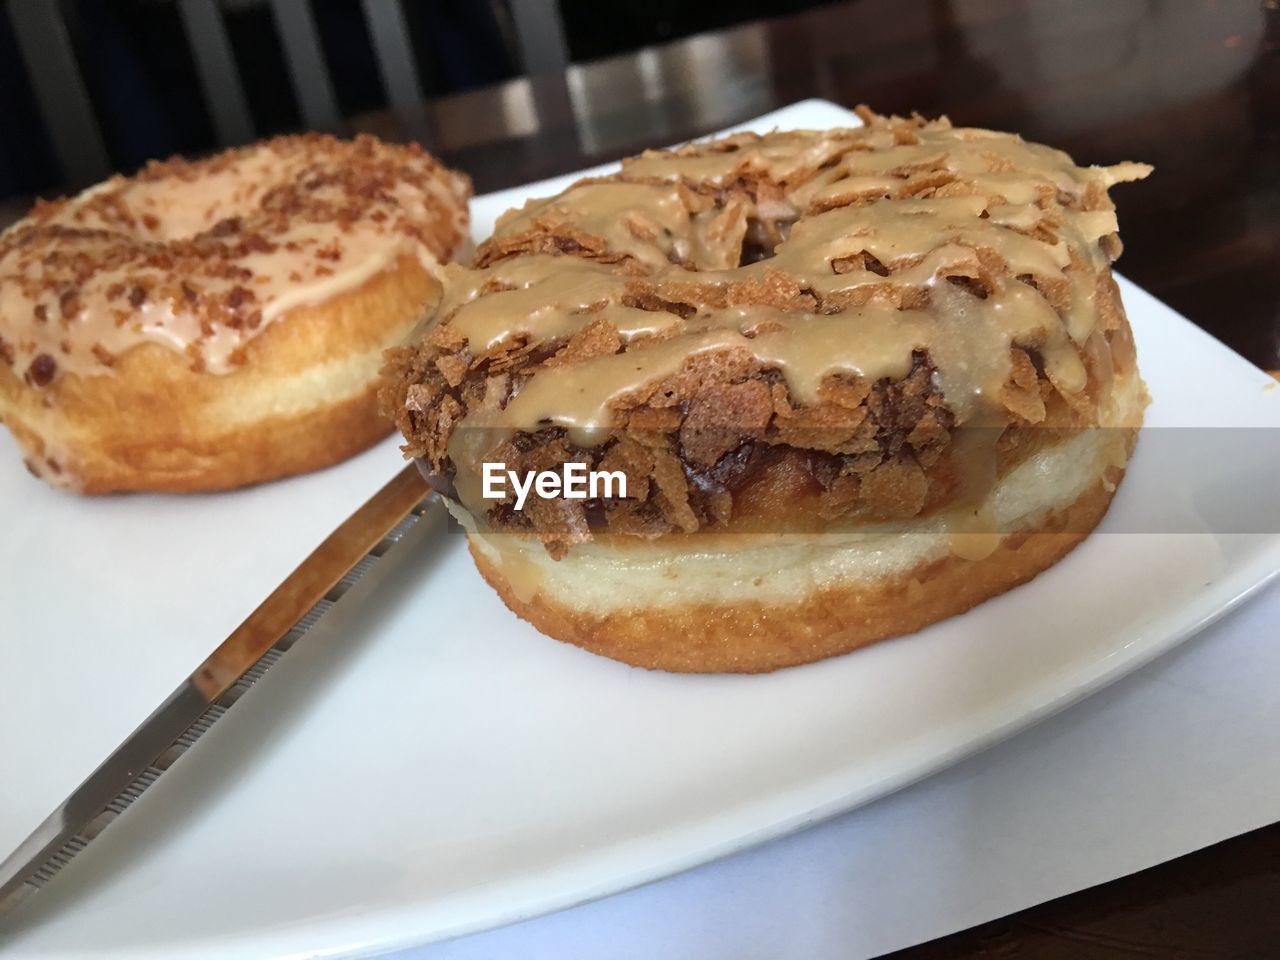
[305, 59]
[394, 53]
[215, 65]
[540, 36]
[61, 96]
[544, 53]
[44, 36]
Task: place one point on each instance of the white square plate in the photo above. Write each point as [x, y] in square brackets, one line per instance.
[426, 764]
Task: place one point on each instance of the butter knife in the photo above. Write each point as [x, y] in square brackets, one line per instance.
[240, 660]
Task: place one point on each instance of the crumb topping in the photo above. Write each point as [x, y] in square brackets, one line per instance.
[200, 256]
[821, 308]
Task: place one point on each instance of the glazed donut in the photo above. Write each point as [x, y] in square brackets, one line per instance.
[206, 325]
[857, 381]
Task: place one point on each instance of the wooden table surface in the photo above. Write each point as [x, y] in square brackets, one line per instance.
[1191, 86]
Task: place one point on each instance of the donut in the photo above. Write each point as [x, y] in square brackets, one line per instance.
[856, 381]
[206, 325]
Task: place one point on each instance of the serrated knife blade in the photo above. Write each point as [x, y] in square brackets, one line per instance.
[239, 661]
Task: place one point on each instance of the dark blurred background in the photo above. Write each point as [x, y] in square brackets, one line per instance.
[139, 65]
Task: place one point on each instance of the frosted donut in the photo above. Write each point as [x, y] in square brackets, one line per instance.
[856, 380]
[205, 325]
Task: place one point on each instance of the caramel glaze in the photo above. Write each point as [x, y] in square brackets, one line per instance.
[866, 297]
[200, 257]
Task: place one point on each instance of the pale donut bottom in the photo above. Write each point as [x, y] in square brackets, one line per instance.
[751, 603]
[304, 398]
